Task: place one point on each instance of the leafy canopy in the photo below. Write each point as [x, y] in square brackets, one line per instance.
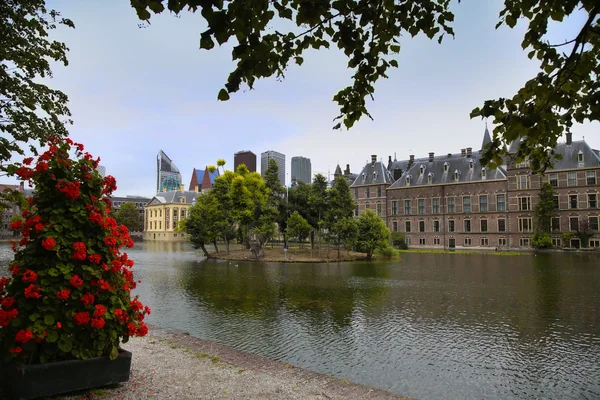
[129, 216]
[368, 32]
[29, 110]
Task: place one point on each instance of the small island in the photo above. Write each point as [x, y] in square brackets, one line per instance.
[293, 255]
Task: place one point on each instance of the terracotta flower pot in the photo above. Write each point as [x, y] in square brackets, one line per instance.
[24, 382]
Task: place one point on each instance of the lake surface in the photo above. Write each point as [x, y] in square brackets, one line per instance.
[427, 325]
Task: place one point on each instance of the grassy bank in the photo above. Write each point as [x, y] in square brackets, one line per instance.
[294, 254]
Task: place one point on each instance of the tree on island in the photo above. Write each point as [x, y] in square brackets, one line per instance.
[298, 227]
[338, 215]
[129, 216]
[372, 233]
[564, 91]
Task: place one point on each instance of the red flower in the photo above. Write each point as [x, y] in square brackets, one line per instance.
[98, 323]
[6, 316]
[32, 292]
[16, 350]
[82, 318]
[136, 305]
[59, 325]
[121, 315]
[8, 302]
[39, 227]
[25, 173]
[142, 330]
[16, 224]
[4, 280]
[27, 161]
[24, 336]
[76, 281]
[64, 294]
[79, 146]
[131, 328]
[25, 212]
[41, 167]
[70, 189]
[87, 299]
[80, 251]
[48, 243]
[23, 242]
[96, 217]
[148, 310]
[29, 276]
[14, 269]
[95, 258]
[100, 310]
[110, 241]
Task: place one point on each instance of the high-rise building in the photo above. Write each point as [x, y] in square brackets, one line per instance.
[301, 169]
[245, 157]
[167, 175]
[279, 159]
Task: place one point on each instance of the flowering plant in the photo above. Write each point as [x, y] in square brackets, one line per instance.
[69, 294]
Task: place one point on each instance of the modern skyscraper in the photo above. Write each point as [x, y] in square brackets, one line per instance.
[245, 157]
[301, 169]
[167, 174]
[279, 159]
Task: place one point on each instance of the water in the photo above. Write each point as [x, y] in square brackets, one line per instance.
[429, 325]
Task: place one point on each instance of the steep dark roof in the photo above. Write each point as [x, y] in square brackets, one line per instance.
[174, 196]
[372, 174]
[570, 154]
[486, 138]
[423, 168]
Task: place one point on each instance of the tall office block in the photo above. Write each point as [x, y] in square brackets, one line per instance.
[245, 157]
[301, 169]
[279, 159]
[167, 175]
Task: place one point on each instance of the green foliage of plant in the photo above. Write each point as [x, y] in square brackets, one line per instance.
[541, 240]
[129, 216]
[398, 240]
[298, 227]
[372, 233]
[584, 233]
[564, 91]
[566, 238]
[388, 252]
[69, 294]
[29, 110]
[544, 210]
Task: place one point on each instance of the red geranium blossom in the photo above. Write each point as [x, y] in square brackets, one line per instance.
[16, 224]
[76, 281]
[131, 328]
[8, 302]
[80, 252]
[24, 336]
[14, 269]
[32, 292]
[39, 227]
[16, 350]
[48, 243]
[110, 241]
[96, 217]
[63, 294]
[142, 330]
[82, 318]
[87, 299]
[95, 258]
[98, 323]
[100, 310]
[58, 325]
[29, 276]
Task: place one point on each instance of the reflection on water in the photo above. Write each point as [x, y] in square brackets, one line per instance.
[428, 325]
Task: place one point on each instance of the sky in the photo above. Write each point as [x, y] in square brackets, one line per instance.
[135, 91]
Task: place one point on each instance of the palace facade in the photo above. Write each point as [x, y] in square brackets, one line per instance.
[164, 211]
[452, 201]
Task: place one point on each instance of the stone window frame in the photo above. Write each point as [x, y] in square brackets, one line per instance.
[451, 223]
[422, 241]
[433, 209]
[588, 177]
[556, 197]
[590, 218]
[498, 224]
[503, 195]
[524, 242]
[569, 178]
[448, 201]
[552, 219]
[407, 226]
[527, 203]
[419, 200]
[595, 200]
[468, 241]
[556, 242]
[394, 207]
[487, 204]
[550, 179]
[367, 192]
[437, 241]
[520, 182]
[481, 241]
[407, 206]
[394, 226]
[576, 201]
[571, 218]
[525, 227]
[378, 190]
[481, 225]
[422, 224]
[470, 204]
[501, 242]
[438, 225]
[465, 225]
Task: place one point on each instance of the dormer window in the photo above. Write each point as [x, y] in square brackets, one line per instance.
[364, 176]
[183, 199]
[483, 173]
[408, 180]
[422, 169]
[446, 166]
[374, 175]
[471, 164]
[456, 176]
[430, 178]
[580, 156]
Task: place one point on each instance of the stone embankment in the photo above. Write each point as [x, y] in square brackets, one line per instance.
[172, 365]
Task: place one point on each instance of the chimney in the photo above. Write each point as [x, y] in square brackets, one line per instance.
[412, 158]
[449, 155]
[196, 188]
[347, 170]
[182, 188]
[389, 159]
[569, 138]
[431, 156]
[411, 161]
[373, 158]
[469, 151]
[463, 152]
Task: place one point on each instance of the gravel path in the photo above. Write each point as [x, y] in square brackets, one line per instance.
[172, 365]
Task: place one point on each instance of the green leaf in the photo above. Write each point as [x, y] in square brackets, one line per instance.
[52, 336]
[223, 95]
[114, 353]
[394, 63]
[299, 60]
[49, 320]
[65, 344]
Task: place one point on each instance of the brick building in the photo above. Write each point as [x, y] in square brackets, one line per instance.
[369, 188]
[245, 157]
[452, 201]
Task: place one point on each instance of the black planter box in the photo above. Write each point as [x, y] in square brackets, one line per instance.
[27, 382]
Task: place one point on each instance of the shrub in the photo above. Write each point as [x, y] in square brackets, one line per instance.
[387, 252]
[541, 240]
[398, 240]
[69, 294]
